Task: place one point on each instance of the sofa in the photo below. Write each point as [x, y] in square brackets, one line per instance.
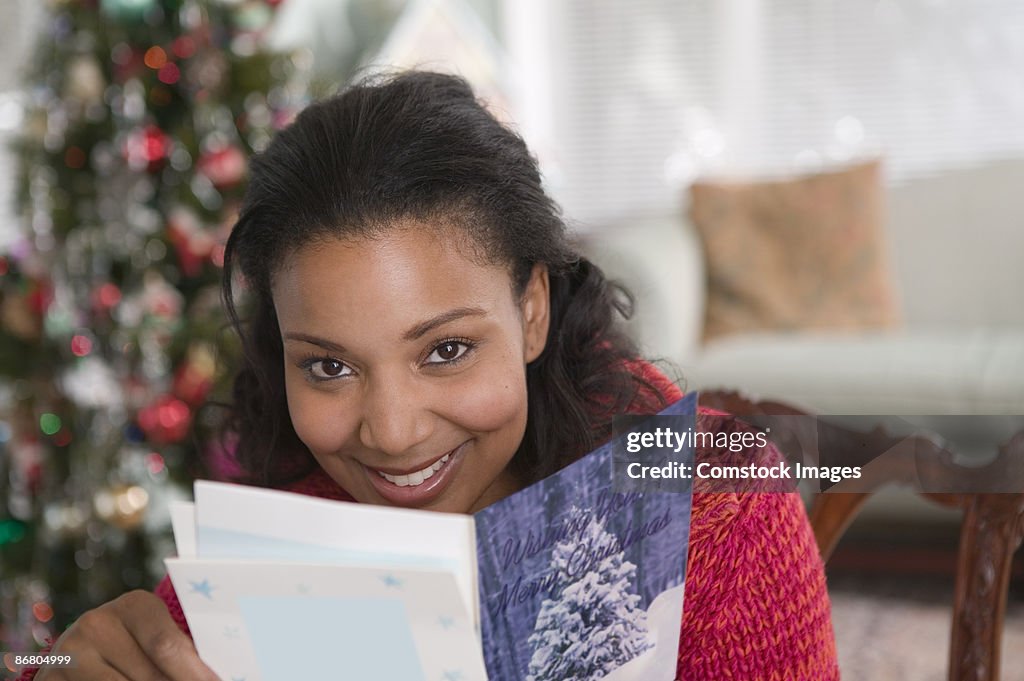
[955, 242]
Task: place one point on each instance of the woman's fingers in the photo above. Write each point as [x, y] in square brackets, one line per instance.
[89, 666]
[161, 642]
[94, 639]
[132, 638]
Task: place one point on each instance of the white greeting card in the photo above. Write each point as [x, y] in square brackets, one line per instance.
[363, 592]
[280, 621]
[239, 522]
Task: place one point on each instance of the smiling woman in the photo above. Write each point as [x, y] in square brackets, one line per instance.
[384, 224]
[418, 332]
[410, 391]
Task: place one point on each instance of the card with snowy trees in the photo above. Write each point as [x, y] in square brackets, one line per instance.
[578, 581]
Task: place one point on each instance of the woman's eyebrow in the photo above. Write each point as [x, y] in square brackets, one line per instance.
[442, 319]
[410, 335]
[315, 340]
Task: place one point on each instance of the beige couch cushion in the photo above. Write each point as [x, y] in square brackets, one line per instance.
[915, 372]
[957, 242]
[799, 254]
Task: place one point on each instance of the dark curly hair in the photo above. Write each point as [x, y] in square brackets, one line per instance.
[419, 145]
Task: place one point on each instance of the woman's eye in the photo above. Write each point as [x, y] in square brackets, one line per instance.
[448, 351]
[328, 368]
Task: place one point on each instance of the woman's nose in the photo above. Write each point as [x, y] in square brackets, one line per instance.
[396, 417]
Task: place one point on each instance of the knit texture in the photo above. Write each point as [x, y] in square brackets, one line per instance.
[756, 606]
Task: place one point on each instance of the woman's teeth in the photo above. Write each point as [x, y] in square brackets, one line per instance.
[418, 477]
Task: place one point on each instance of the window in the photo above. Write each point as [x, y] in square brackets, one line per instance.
[648, 94]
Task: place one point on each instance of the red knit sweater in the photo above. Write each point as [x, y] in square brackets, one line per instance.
[756, 607]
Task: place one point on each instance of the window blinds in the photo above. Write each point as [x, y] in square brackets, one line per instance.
[651, 93]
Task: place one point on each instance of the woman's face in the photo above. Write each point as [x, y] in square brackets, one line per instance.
[405, 365]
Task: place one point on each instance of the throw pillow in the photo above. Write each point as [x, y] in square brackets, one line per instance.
[807, 253]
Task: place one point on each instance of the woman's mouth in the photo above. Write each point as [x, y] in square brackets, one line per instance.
[418, 477]
[418, 487]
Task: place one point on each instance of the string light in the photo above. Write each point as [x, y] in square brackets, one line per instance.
[42, 611]
[155, 57]
[11, 531]
[49, 423]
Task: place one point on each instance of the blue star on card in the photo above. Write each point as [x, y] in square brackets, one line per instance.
[203, 588]
[391, 581]
[452, 675]
[446, 622]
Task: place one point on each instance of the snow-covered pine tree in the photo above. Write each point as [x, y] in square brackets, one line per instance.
[594, 623]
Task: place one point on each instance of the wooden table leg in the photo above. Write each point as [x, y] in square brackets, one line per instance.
[993, 527]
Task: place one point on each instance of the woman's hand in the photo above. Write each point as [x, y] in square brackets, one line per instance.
[132, 638]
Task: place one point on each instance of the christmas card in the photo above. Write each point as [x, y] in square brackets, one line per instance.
[571, 577]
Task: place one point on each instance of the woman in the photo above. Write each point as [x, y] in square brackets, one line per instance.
[421, 334]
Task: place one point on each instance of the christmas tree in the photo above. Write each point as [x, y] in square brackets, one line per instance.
[594, 624]
[139, 118]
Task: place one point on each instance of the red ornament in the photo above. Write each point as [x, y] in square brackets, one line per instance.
[62, 438]
[155, 463]
[225, 167]
[39, 297]
[74, 158]
[169, 73]
[194, 377]
[183, 47]
[191, 385]
[192, 243]
[81, 345]
[105, 296]
[147, 149]
[166, 421]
